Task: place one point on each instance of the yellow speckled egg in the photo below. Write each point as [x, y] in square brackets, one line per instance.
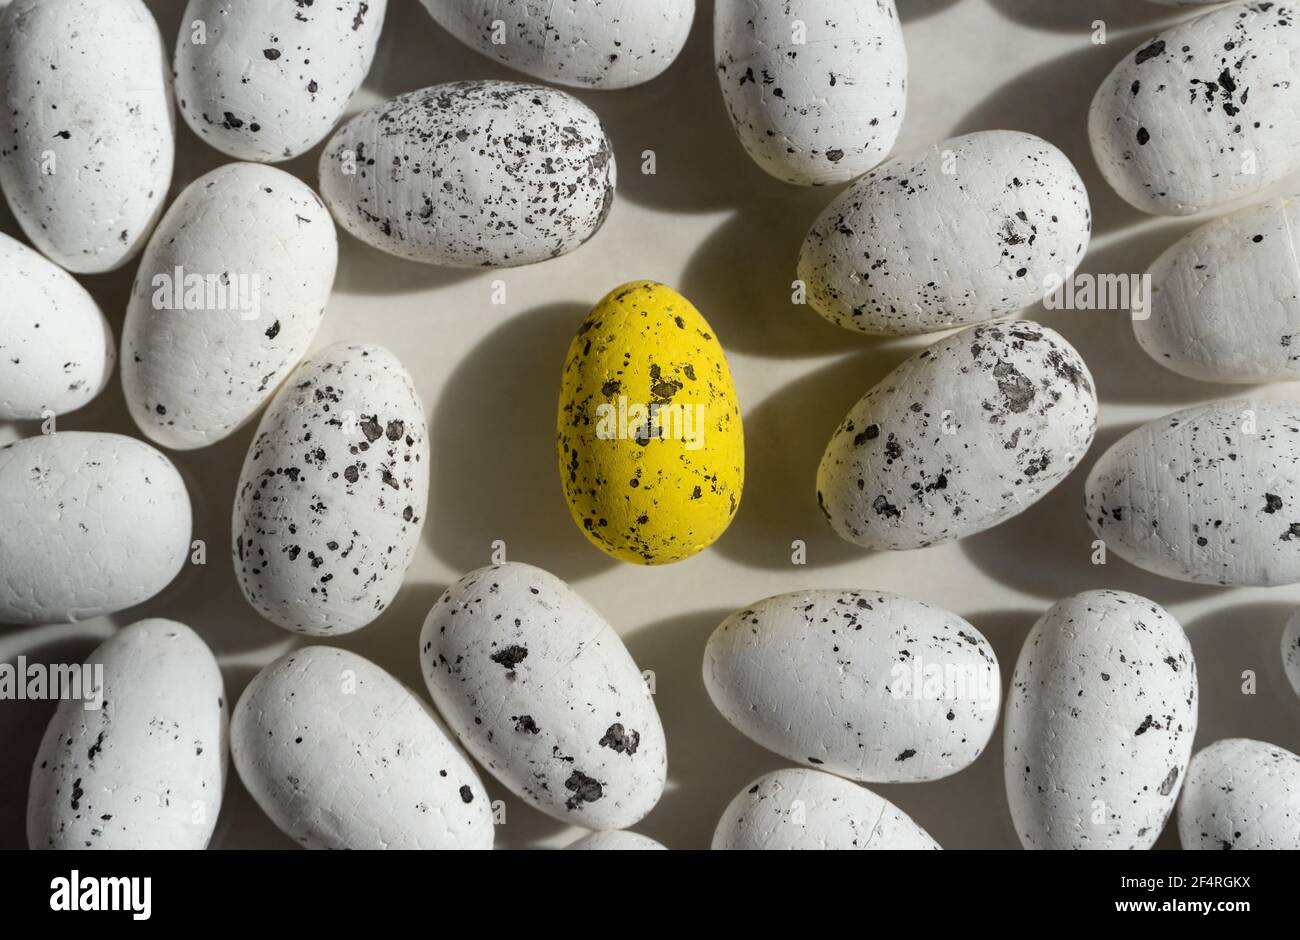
[651, 449]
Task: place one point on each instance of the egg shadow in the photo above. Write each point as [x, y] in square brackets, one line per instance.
[709, 761]
[785, 438]
[1046, 551]
[1069, 16]
[495, 473]
[22, 725]
[969, 809]
[911, 10]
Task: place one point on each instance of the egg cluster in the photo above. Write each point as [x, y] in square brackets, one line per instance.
[528, 682]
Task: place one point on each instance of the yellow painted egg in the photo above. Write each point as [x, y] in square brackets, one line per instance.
[652, 454]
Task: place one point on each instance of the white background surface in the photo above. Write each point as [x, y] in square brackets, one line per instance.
[716, 228]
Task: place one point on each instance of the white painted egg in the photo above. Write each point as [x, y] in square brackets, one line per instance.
[816, 89]
[959, 438]
[268, 81]
[56, 347]
[966, 230]
[340, 755]
[332, 495]
[1099, 724]
[1241, 795]
[138, 761]
[811, 810]
[617, 840]
[1203, 113]
[472, 174]
[1210, 494]
[94, 523]
[215, 322]
[542, 692]
[580, 43]
[88, 143]
[868, 685]
[1291, 651]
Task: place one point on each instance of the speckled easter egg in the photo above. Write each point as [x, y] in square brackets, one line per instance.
[651, 449]
[55, 345]
[970, 229]
[267, 81]
[960, 437]
[332, 495]
[93, 523]
[864, 684]
[615, 841]
[472, 174]
[1210, 494]
[138, 761]
[1203, 113]
[542, 692]
[215, 323]
[340, 755]
[1099, 724]
[1291, 651]
[807, 809]
[87, 144]
[1241, 795]
[816, 89]
[1224, 304]
[601, 44]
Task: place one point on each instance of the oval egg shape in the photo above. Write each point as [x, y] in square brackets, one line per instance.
[1241, 795]
[810, 810]
[616, 840]
[1203, 113]
[1099, 723]
[340, 755]
[56, 345]
[332, 494]
[138, 760]
[572, 42]
[650, 443]
[472, 174]
[1223, 304]
[215, 323]
[94, 523]
[268, 81]
[970, 229]
[1291, 651]
[542, 692]
[960, 437]
[864, 684]
[1210, 494]
[816, 89]
[85, 160]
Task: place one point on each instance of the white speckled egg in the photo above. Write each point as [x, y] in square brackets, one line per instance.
[617, 840]
[88, 141]
[1210, 494]
[332, 495]
[816, 89]
[970, 229]
[807, 809]
[267, 81]
[864, 684]
[959, 438]
[56, 348]
[340, 755]
[1204, 113]
[93, 523]
[139, 761]
[1291, 651]
[1241, 794]
[542, 692]
[1099, 723]
[216, 322]
[472, 174]
[1224, 303]
[603, 44]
